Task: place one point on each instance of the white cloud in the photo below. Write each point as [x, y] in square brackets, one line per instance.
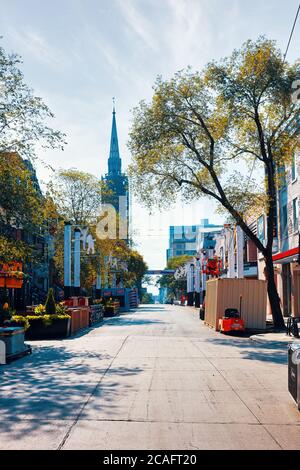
[138, 22]
[37, 46]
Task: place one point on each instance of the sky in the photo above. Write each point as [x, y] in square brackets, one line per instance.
[79, 54]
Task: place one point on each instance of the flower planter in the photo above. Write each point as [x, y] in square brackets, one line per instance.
[59, 328]
[112, 310]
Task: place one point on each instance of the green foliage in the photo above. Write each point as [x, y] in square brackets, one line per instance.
[23, 116]
[50, 306]
[77, 195]
[40, 310]
[21, 206]
[202, 128]
[19, 320]
[177, 261]
[147, 298]
[61, 309]
[47, 319]
[174, 286]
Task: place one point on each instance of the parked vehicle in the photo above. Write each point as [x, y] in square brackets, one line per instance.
[231, 322]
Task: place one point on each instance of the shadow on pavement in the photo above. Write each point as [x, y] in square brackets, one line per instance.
[53, 384]
[254, 351]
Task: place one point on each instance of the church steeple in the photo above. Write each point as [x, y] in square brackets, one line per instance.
[114, 160]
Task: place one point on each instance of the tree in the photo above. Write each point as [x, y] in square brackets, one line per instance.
[203, 131]
[169, 281]
[23, 126]
[23, 115]
[147, 298]
[77, 195]
[21, 207]
[136, 269]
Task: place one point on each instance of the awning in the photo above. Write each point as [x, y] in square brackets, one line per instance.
[288, 256]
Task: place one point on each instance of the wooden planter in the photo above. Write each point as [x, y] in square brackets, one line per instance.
[59, 328]
[80, 318]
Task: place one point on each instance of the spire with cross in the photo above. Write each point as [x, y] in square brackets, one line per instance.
[114, 160]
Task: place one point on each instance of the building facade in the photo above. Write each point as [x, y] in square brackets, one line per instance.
[186, 239]
[286, 258]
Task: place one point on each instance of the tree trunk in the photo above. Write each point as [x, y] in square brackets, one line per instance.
[273, 294]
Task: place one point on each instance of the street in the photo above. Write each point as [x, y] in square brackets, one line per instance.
[156, 378]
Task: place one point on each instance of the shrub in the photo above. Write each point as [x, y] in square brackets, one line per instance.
[40, 310]
[47, 319]
[61, 309]
[50, 305]
[19, 320]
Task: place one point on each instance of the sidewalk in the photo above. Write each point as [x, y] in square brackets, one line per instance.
[280, 337]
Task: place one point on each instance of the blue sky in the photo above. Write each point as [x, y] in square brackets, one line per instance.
[78, 54]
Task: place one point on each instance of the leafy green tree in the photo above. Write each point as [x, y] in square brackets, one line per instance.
[77, 195]
[23, 116]
[203, 131]
[21, 207]
[169, 281]
[24, 120]
[147, 298]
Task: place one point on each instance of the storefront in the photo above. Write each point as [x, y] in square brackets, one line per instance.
[288, 268]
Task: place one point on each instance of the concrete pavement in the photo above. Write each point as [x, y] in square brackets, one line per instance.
[156, 378]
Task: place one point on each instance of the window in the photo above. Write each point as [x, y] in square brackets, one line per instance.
[283, 221]
[295, 215]
[294, 168]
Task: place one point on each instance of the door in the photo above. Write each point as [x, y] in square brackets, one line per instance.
[287, 290]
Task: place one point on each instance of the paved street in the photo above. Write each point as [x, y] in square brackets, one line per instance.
[156, 378]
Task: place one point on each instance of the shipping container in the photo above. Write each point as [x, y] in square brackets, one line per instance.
[249, 295]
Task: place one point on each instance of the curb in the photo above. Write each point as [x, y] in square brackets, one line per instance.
[264, 340]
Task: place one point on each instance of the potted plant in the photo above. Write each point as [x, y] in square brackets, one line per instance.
[48, 321]
[111, 308]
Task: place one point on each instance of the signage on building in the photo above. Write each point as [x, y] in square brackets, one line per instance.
[212, 267]
[11, 275]
[261, 229]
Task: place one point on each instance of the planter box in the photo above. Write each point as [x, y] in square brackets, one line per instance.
[83, 301]
[57, 329]
[80, 318]
[111, 311]
[96, 314]
[13, 338]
